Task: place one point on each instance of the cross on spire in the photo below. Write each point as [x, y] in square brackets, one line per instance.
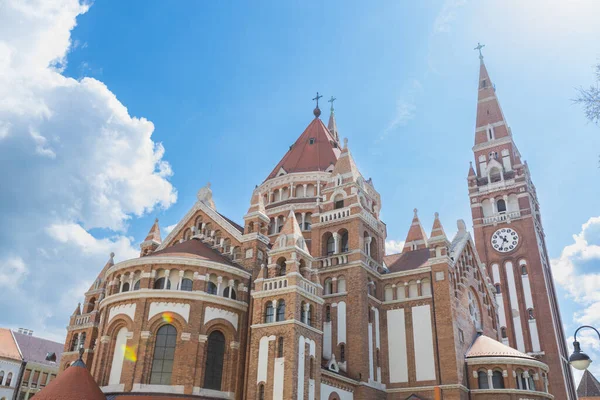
[479, 47]
[331, 100]
[317, 97]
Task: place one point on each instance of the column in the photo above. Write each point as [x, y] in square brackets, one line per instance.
[303, 220]
[180, 280]
[526, 379]
[291, 190]
[336, 241]
[494, 208]
[490, 373]
[305, 185]
[219, 282]
[280, 194]
[230, 284]
[122, 281]
[368, 245]
[167, 272]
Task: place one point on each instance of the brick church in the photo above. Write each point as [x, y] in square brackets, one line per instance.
[301, 301]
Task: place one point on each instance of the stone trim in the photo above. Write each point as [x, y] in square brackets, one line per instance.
[289, 289]
[213, 394]
[424, 388]
[507, 360]
[173, 294]
[333, 375]
[142, 387]
[118, 388]
[286, 322]
[512, 391]
[134, 262]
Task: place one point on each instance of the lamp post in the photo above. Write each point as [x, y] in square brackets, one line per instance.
[579, 360]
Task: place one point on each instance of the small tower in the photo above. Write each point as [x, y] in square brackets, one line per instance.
[152, 241]
[285, 341]
[438, 241]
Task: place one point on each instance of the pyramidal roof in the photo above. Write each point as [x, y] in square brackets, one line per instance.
[315, 150]
[345, 164]
[290, 233]
[437, 231]
[154, 234]
[416, 234]
[489, 112]
[588, 386]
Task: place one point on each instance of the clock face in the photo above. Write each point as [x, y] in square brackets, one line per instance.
[505, 240]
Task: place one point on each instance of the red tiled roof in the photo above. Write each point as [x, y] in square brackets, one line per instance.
[8, 347]
[407, 260]
[303, 156]
[485, 346]
[75, 383]
[194, 248]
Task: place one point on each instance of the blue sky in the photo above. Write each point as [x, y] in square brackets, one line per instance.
[150, 100]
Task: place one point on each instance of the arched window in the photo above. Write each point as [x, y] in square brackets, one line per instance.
[125, 287]
[82, 337]
[74, 342]
[530, 313]
[388, 293]
[498, 288]
[136, 285]
[279, 223]
[8, 379]
[474, 309]
[269, 312]
[160, 284]
[309, 315]
[118, 357]
[344, 242]
[503, 332]
[261, 392]
[338, 202]
[280, 347]
[211, 288]
[328, 289]
[401, 291]
[280, 310]
[523, 269]
[425, 287]
[341, 284]
[501, 204]
[164, 354]
[282, 266]
[213, 371]
[531, 381]
[482, 380]
[250, 227]
[311, 368]
[342, 352]
[497, 380]
[330, 245]
[2, 378]
[186, 284]
[328, 313]
[307, 222]
[521, 381]
[227, 290]
[413, 289]
[91, 305]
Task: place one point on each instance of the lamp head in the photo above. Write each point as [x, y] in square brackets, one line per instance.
[579, 360]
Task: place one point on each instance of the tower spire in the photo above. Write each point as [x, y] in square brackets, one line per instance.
[331, 125]
[416, 237]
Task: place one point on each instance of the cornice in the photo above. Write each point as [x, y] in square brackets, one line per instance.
[177, 261]
[519, 392]
[507, 360]
[287, 322]
[425, 388]
[161, 294]
[293, 177]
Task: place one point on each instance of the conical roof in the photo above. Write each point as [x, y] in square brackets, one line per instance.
[485, 346]
[315, 150]
[74, 383]
[416, 234]
[588, 386]
[332, 126]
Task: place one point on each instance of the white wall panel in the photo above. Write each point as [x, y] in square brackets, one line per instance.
[423, 340]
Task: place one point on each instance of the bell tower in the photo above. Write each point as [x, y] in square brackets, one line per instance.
[510, 240]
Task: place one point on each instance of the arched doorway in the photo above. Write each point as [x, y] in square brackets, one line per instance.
[213, 369]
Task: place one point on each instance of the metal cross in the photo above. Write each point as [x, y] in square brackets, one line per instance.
[331, 100]
[317, 99]
[479, 47]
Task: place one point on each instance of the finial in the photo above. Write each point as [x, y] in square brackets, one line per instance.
[331, 100]
[415, 211]
[346, 143]
[437, 215]
[155, 220]
[208, 185]
[479, 47]
[317, 111]
[112, 255]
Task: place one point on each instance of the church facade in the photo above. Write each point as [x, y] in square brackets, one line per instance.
[301, 301]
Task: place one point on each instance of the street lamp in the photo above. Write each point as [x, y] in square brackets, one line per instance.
[579, 360]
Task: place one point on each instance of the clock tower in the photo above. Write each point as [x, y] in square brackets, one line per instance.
[510, 240]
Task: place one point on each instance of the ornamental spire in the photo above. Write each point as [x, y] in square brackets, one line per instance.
[317, 110]
[332, 125]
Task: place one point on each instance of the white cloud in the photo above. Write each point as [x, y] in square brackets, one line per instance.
[447, 15]
[169, 229]
[12, 270]
[393, 246]
[76, 167]
[405, 107]
[577, 270]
